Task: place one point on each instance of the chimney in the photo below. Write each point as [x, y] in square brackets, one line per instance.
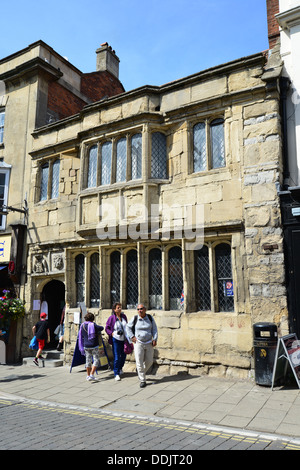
[273, 26]
[107, 60]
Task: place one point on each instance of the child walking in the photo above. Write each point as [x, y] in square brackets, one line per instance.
[42, 332]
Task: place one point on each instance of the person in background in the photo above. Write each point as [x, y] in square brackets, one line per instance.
[61, 331]
[88, 342]
[116, 330]
[142, 331]
[42, 332]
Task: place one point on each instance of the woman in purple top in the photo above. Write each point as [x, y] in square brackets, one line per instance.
[89, 344]
[116, 330]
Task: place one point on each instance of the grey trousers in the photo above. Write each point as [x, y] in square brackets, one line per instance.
[143, 358]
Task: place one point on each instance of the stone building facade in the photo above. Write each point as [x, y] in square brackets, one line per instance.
[167, 196]
[37, 86]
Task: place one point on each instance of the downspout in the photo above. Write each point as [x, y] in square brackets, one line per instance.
[284, 87]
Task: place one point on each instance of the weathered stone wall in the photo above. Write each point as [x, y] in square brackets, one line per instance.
[240, 201]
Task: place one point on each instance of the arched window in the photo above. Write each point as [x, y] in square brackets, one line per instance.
[158, 156]
[95, 281]
[155, 279]
[55, 179]
[80, 278]
[115, 276]
[92, 167]
[224, 277]
[136, 156]
[121, 160]
[175, 278]
[202, 279]
[132, 285]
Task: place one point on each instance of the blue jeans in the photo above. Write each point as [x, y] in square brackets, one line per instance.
[119, 355]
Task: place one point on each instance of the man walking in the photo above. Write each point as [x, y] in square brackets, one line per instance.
[142, 331]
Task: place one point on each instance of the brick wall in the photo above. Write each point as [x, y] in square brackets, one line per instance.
[96, 85]
[273, 27]
[63, 102]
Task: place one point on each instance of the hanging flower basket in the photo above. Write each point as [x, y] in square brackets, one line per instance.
[10, 308]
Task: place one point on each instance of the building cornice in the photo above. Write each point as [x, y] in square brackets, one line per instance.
[32, 67]
[289, 18]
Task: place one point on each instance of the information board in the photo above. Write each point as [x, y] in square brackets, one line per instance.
[287, 357]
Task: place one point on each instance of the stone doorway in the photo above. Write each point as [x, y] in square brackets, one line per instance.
[54, 294]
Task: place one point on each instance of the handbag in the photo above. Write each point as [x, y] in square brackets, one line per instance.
[57, 330]
[128, 347]
[33, 343]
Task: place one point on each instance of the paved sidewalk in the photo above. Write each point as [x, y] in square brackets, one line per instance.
[238, 404]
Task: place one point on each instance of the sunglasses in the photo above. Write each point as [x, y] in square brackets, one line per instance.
[140, 308]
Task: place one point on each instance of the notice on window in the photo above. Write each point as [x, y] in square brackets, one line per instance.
[228, 288]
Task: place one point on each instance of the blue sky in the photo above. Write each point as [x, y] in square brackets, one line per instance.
[157, 41]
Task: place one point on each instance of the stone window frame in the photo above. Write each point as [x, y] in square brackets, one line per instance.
[213, 281]
[188, 263]
[209, 123]
[87, 273]
[143, 253]
[49, 162]
[146, 134]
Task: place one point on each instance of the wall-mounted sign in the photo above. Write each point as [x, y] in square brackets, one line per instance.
[5, 244]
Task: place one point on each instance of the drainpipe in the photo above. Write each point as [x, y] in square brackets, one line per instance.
[284, 87]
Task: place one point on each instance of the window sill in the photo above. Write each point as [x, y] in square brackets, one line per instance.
[123, 185]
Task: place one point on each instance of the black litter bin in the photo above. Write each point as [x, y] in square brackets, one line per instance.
[265, 344]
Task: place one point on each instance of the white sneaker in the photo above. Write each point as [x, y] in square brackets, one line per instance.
[92, 377]
[117, 377]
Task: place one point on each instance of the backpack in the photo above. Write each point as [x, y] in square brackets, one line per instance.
[135, 320]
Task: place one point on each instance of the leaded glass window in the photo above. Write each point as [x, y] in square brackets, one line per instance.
[175, 278]
[121, 160]
[2, 117]
[199, 147]
[136, 156]
[202, 279]
[224, 277]
[95, 281]
[158, 156]
[4, 176]
[55, 179]
[217, 143]
[132, 285]
[106, 163]
[92, 167]
[2, 189]
[44, 182]
[155, 279]
[115, 276]
[80, 278]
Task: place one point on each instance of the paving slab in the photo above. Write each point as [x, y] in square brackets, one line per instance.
[201, 400]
